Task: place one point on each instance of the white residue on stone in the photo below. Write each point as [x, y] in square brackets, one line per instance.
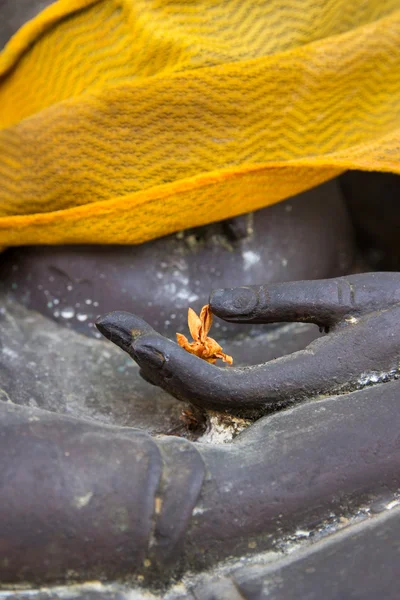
[301, 533]
[199, 510]
[68, 312]
[186, 296]
[10, 353]
[222, 429]
[4, 397]
[392, 504]
[250, 258]
[375, 377]
[217, 433]
[170, 288]
[351, 320]
[179, 288]
[81, 501]
[84, 590]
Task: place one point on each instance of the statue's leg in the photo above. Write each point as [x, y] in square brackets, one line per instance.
[79, 500]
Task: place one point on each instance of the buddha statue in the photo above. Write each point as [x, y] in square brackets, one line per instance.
[134, 469]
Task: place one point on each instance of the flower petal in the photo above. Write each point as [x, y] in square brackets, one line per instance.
[206, 319]
[195, 325]
[225, 357]
[182, 341]
[212, 346]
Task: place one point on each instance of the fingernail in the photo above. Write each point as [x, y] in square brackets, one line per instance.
[147, 356]
[122, 328]
[144, 375]
[233, 301]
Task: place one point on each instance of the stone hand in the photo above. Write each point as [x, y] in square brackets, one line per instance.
[360, 315]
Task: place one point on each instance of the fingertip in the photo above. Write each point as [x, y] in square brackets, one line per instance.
[146, 377]
[122, 328]
[231, 303]
[148, 351]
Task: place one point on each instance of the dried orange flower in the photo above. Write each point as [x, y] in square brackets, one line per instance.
[203, 346]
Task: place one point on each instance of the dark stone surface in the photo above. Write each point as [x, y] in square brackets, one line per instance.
[78, 593]
[373, 201]
[74, 495]
[361, 562]
[85, 500]
[44, 365]
[322, 457]
[306, 237]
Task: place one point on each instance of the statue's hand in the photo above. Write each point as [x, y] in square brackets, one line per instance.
[360, 314]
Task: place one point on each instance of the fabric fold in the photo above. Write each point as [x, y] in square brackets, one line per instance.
[124, 121]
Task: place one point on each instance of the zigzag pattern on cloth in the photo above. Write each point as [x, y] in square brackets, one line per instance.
[125, 120]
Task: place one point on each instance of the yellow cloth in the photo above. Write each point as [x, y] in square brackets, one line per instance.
[124, 120]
